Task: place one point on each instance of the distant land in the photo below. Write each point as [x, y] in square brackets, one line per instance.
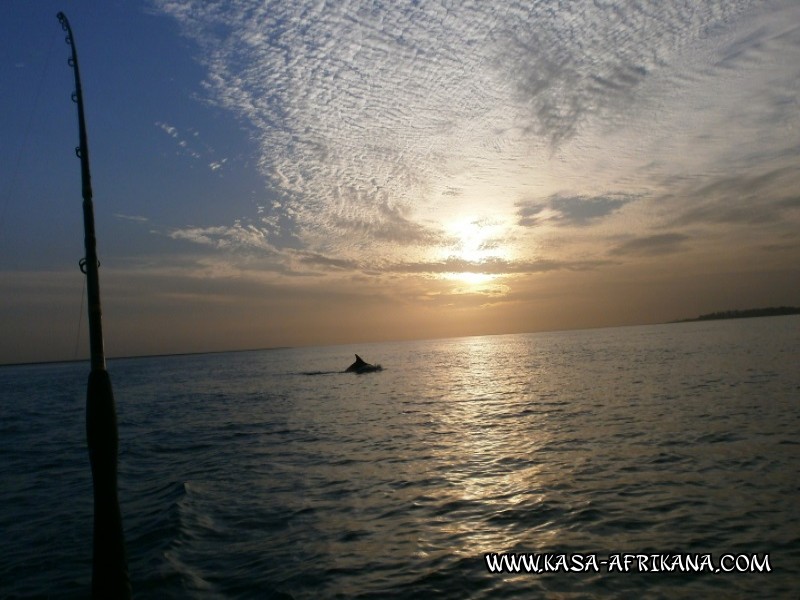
[773, 311]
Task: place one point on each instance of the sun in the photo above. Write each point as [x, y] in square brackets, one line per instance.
[475, 241]
[471, 239]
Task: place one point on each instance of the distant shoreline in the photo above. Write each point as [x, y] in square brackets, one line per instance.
[773, 311]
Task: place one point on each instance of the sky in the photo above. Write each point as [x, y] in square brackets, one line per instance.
[284, 173]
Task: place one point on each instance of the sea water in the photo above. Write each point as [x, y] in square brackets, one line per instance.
[270, 474]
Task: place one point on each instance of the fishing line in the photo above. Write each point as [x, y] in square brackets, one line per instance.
[80, 319]
[26, 134]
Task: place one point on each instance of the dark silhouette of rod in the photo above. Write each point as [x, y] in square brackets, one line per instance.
[109, 563]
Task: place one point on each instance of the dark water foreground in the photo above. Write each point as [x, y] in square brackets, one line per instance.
[244, 477]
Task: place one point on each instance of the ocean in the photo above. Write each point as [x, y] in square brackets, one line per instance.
[655, 461]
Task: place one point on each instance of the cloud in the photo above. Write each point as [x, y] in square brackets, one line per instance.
[492, 266]
[134, 218]
[168, 129]
[532, 213]
[236, 237]
[298, 262]
[784, 243]
[319, 261]
[191, 145]
[360, 109]
[740, 199]
[183, 144]
[383, 128]
[381, 223]
[570, 210]
[651, 245]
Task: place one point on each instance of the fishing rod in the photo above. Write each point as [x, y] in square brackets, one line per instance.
[109, 562]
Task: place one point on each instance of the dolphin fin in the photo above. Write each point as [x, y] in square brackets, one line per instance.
[359, 364]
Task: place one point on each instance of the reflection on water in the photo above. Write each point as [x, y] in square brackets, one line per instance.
[489, 458]
[242, 476]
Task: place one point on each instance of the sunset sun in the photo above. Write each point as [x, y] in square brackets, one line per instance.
[476, 242]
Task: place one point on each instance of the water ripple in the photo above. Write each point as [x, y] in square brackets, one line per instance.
[241, 476]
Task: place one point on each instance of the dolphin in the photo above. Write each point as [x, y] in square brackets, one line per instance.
[362, 366]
